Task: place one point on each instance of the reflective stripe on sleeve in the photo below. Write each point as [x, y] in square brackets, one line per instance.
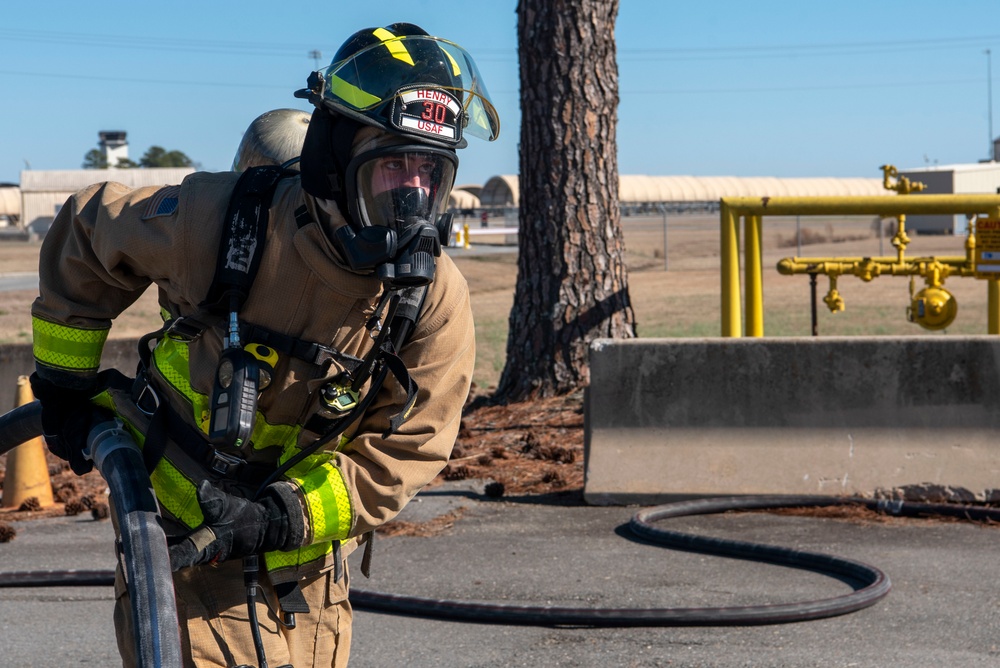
[67, 348]
[327, 501]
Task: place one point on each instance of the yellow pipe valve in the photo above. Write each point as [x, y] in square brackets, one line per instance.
[834, 301]
[933, 308]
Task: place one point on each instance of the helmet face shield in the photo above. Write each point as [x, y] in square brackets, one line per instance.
[400, 187]
[415, 84]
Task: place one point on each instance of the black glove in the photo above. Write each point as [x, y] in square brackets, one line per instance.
[67, 417]
[236, 527]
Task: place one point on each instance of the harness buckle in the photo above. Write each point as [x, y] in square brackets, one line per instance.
[186, 328]
[146, 395]
[224, 464]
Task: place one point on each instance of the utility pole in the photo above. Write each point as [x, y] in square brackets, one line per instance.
[315, 55]
[989, 100]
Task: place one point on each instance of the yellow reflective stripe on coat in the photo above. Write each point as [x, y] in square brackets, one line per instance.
[394, 44]
[68, 348]
[303, 555]
[174, 491]
[327, 501]
[173, 360]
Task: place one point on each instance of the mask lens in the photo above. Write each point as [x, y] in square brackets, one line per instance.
[403, 188]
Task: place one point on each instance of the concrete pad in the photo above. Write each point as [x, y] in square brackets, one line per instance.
[674, 418]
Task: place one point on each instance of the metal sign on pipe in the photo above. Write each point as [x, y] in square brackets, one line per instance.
[987, 248]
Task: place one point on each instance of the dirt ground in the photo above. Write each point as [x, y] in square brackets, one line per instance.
[536, 447]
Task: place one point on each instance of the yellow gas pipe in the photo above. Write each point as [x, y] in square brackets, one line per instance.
[931, 308]
[750, 210]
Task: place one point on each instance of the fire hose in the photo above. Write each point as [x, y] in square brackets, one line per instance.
[152, 570]
[142, 543]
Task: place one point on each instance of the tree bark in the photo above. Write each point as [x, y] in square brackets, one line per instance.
[572, 283]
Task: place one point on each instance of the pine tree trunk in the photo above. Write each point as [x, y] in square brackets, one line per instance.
[572, 283]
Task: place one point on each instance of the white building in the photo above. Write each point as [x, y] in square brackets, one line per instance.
[114, 146]
[978, 178]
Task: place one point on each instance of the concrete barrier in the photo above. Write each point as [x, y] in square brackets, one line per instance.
[676, 418]
[16, 360]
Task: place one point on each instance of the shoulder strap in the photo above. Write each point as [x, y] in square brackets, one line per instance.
[411, 302]
[244, 233]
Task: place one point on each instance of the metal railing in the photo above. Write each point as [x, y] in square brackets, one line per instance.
[751, 210]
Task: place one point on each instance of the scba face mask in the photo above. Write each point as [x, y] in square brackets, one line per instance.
[397, 196]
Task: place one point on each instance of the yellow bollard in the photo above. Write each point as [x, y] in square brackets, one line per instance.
[465, 236]
[27, 469]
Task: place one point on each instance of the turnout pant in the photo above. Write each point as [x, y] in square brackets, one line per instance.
[215, 627]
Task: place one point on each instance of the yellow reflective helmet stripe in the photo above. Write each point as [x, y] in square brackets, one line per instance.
[351, 94]
[68, 348]
[455, 69]
[394, 44]
[327, 501]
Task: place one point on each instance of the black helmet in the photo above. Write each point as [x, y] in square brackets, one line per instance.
[406, 82]
[426, 94]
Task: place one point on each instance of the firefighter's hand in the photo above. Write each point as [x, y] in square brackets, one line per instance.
[235, 527]
[67, 417]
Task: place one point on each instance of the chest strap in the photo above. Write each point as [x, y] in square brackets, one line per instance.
[166, 425]
[307, 351]
[188, 328]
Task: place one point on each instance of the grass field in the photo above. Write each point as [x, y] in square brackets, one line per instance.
[673, 296]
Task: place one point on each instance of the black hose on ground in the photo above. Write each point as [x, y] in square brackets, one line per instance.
[871, 584]
[152, 568]
[143, 543]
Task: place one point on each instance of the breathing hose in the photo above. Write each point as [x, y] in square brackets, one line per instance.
[143, 543]
[869, 584]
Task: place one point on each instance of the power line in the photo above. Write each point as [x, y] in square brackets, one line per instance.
[663, 91]
[144, 80]
[827, 48]
[797, 89]
[151, 43]
[242, 48]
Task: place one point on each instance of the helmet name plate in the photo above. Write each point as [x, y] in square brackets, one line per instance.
[429, 112]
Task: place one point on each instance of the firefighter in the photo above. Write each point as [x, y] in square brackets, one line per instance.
[237, 390]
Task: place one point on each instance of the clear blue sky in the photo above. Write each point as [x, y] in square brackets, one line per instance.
[710, 88]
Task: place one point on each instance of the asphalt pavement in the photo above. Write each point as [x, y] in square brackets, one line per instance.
[943, 610]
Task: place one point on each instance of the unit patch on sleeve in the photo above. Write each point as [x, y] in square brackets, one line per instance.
[163, 202]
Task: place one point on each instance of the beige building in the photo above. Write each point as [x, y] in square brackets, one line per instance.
[44, 192]
[640, 194]
[10, 205]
